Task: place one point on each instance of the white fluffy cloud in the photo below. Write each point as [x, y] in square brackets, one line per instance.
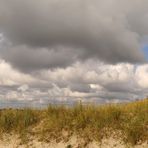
[141, 76]
[10, 76]
[90, 81]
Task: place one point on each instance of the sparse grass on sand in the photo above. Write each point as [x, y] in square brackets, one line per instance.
[90, 122]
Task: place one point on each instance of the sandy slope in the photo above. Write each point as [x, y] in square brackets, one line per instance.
[14, 142]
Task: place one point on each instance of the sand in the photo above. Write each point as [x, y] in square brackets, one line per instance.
[11, 141]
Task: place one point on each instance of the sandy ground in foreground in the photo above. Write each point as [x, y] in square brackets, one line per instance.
[14, 142]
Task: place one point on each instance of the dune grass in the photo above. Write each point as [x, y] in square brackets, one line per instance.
[14, 120]
[91, 122]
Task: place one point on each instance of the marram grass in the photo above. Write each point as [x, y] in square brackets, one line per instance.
[129, 121]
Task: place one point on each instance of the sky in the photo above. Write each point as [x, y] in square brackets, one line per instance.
[145, 51]
[63, 51]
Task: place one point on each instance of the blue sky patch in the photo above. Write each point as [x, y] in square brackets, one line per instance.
[145, 50]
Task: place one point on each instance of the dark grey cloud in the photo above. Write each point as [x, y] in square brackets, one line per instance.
[28, 59]
[108, 30]
[5, 88]
[80, 87]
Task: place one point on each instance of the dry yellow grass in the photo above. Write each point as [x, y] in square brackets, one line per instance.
[130, 121]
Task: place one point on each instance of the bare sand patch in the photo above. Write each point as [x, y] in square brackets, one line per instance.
[13, 141]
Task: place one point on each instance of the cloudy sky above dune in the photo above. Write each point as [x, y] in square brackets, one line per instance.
[70, 50]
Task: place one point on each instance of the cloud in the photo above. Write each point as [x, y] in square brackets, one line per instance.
[69, 50]
[107, 30]
[90, 82]
[10, 77]
[142, 76]
[23, 88]
[28, 59]
[105, 81]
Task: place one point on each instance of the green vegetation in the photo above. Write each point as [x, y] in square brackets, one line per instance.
[129, 121]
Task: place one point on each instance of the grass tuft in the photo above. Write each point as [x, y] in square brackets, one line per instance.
[88, 122]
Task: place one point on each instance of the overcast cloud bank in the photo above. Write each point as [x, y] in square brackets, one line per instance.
[73, 49]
